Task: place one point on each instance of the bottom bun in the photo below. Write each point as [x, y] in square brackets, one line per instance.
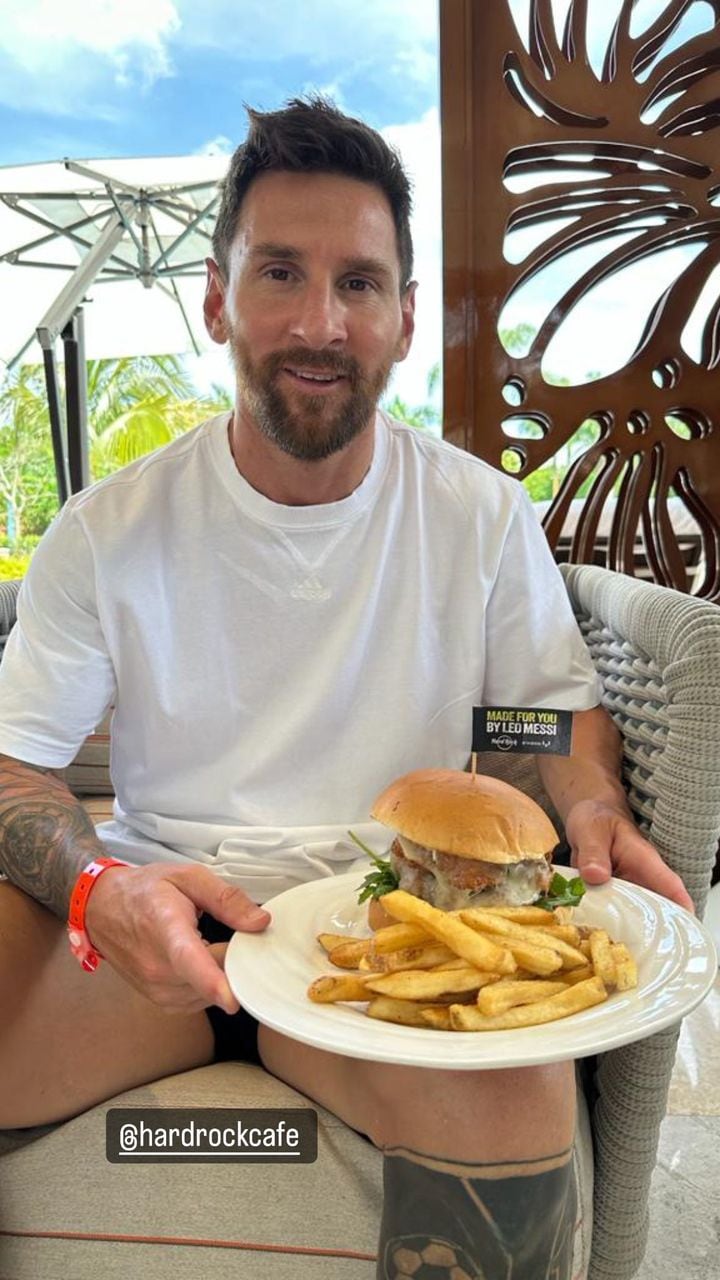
[378, 917]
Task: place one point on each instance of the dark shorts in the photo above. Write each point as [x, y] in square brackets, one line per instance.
[236, 1034]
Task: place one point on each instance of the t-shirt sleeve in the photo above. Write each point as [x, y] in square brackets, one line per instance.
[56, 676]
[535, 653]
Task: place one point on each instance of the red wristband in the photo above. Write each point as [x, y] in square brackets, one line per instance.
[80, 944]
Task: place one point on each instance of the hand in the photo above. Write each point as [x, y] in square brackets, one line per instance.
[605, 842]
[143, 921]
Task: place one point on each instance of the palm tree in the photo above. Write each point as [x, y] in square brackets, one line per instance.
[138, 404]
[419, 415]
[25, 449]
[135, 405]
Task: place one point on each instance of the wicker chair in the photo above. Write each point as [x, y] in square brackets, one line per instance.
[658, 654]
[66, 1211]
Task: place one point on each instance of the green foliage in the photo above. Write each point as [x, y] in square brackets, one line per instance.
[419, 415]
[26, 469]
[135, 405]
[562, 892]
[13, 567]
[518, 340]
[541, 484]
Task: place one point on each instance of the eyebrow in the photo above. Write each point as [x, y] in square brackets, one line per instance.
[364, 266]
[269, 249]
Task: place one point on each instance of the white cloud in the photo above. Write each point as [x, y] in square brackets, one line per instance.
[74, 57]
[35, 32]
[314, 31]
[220, 145]
[54, 54]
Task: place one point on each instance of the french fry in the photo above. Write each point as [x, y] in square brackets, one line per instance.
[626, 973]
[421, 984]
[533, 957]
[348, 953]
[602, 957]
[487, 922]
[479, 951]
[329, 940]
[478, 969]
[333, 987]
[408, 1013]
[572, 1000]
[563, 915]
[524, 915]
[436, 1016]
[571, 976]
[506, 994]
[394, 936]
[539, 919]
[428, 955]
[569, 933]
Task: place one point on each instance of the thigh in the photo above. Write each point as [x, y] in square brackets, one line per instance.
[70, 1039]
[519, 1114]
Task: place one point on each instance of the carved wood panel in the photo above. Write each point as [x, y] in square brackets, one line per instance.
[624, 157]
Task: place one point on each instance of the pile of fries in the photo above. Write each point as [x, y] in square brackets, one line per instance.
[480, 969]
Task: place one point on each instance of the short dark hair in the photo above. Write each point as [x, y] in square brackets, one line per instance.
[310, 135]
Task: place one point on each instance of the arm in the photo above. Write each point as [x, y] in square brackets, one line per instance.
[587, 791]
[142, 919]
[46, 837]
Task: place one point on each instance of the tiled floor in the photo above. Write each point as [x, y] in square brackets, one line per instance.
[684, 1241]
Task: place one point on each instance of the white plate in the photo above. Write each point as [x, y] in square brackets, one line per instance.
[270, 973]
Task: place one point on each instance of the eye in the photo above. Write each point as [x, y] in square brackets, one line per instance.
[280, 274]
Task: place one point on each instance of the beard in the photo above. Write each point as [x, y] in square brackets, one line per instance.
[316, 428]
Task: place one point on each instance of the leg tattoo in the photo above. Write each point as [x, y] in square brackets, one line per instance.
[447, 1220]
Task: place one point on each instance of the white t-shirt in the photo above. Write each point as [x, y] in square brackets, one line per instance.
[272, 668]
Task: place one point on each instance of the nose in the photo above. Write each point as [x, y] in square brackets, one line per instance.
[319, 319]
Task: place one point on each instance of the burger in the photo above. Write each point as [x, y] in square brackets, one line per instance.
[462, 840]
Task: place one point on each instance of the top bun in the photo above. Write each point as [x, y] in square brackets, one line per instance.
[468, 815]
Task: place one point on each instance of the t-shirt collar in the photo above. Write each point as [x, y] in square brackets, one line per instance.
[261, 508]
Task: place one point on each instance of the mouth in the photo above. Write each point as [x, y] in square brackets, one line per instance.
[318, 381]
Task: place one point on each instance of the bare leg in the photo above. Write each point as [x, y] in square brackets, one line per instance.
[69, 1039]
[516, 1219]
[478, 1165]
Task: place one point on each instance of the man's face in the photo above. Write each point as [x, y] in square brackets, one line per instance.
[312, 308]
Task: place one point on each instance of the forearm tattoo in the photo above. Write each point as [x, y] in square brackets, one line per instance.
[477, 1222]
[46, 837]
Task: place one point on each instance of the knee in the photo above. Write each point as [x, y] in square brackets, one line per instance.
[492, 1108]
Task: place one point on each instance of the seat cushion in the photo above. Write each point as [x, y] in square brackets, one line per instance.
[89, 773]
[66, 1211]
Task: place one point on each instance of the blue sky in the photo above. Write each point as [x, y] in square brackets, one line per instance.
[147, 77]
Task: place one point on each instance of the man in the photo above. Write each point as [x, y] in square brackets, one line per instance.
[286, 610]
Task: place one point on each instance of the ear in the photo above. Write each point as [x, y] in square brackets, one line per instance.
[407, 309]
[214, 303]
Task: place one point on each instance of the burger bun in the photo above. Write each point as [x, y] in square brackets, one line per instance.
[468, 815]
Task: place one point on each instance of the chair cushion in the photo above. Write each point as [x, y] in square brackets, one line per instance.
[89, 773]
[68, 1212]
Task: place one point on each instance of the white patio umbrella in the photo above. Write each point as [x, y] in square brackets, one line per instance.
[122, 241]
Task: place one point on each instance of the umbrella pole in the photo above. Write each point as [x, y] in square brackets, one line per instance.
[56, 424]
[73, 336]
[62, 317]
